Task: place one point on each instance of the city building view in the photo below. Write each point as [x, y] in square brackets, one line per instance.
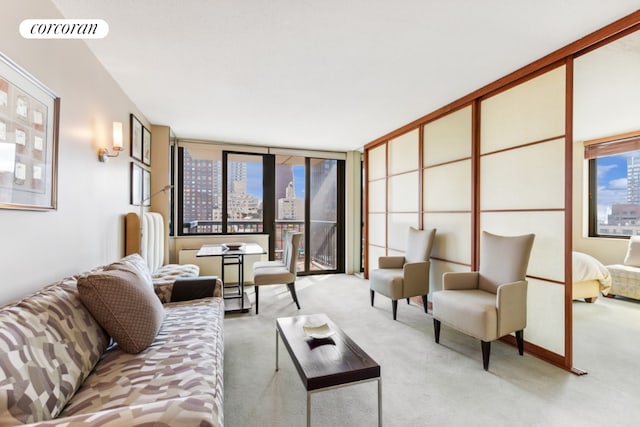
[618, 194]
[203, 207]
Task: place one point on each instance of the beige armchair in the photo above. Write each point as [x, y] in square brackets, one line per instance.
[406, 276]
[492, 302]
[274, 273]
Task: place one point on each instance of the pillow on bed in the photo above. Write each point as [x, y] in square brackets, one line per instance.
[633, 252]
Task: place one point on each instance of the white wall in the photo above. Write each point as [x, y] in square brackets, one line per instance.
[87, 229]
[606, 93]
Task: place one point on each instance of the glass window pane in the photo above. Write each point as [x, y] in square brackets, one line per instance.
[244, 193]
[618, 194]
[201, 190]
[324, 214]
[290, 202]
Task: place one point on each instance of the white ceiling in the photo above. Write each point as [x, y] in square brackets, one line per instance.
[322, 74]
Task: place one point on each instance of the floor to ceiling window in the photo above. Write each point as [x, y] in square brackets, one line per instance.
[226, 192]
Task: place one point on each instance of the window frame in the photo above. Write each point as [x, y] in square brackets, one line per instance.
[598, 148]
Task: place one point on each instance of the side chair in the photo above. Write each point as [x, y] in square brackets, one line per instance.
[492, 302]
[405, 276]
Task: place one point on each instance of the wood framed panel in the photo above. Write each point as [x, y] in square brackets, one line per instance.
[522, 190]
[377, 199]
[547, 254]
[403, 152]
[403, 192]
[453, 235]
[526, 178]
[545, 316]
[377, 162]
[448, 187]
[531, 111]
[398, 227]
[448, 138]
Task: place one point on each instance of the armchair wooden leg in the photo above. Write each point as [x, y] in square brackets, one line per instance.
[292, 289]
[486, 352]
[408, 301]
[520, 341]
[436, 330]
[257, 299]
[425, 303]
[372, 295]
[394, 305]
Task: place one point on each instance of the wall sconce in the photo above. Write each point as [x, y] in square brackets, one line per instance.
[103, 153]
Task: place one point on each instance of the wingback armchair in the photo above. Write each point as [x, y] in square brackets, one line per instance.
[492, 302]
[399, 277]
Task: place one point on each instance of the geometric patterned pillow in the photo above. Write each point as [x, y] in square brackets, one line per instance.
[126, 307]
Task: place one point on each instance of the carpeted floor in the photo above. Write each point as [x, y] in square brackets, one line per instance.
[425, 384]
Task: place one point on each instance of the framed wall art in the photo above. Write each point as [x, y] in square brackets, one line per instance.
[136, 184]
[146, 187]
[136, 138]
[146, 146]
[29, 120]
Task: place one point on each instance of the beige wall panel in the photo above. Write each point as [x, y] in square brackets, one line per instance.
[375, 252]
[403, 193]
[448, 187]
[547, 254]
[403, 153]
[448, 138]
[437, 269]
[529, 112]
[377, 196]
[399, 228]
[453, 235]
[545, 315]
[377, 162]
[525, 178]
[377, 227]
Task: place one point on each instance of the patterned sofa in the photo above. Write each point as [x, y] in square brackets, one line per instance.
[59, 366]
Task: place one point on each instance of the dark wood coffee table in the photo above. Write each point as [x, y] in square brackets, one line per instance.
[326, 363]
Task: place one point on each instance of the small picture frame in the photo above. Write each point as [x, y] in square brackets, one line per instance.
[136, 138]
[146, 146]
[146, 187]
[136, 184]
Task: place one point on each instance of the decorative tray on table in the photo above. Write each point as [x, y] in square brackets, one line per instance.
[318, 332]
[232, 246]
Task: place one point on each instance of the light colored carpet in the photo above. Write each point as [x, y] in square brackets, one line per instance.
[428, 384]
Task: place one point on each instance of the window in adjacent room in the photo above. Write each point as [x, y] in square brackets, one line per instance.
[614, 185]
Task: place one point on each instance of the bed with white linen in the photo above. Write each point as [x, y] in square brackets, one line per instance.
[590, 277]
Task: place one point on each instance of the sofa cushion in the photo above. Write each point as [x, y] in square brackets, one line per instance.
[164, 278]
[125, 306]
[186, 359]
[48, 346]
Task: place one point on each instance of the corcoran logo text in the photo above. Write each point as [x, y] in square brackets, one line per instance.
[64, 29]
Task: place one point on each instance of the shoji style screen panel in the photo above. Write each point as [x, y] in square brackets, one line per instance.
[376, 204]
[403, 190]
[522, 190]
[447, 192]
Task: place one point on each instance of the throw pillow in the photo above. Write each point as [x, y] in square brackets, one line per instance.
[133, 262]
[633, 252]
[124, 306]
